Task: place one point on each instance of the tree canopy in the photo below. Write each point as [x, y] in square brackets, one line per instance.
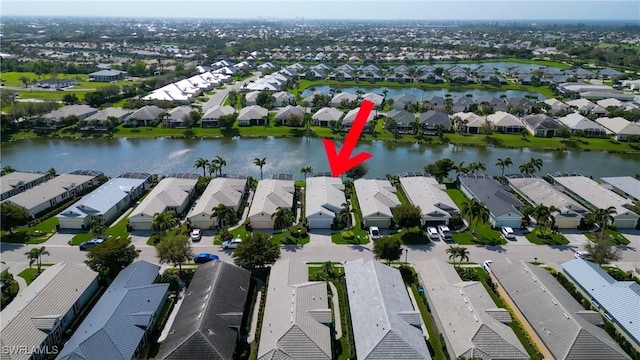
[174, 250]
[12, 216]
[256, 251]
[388, 248]
[602, 250]
[440, 169]
[110, 257]
[357, 171]
[407, 215]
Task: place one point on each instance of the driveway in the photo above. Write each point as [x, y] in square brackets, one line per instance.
[61, 238]
[221, 94]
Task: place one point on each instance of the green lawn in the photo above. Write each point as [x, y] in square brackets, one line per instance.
[30, 274]
[414, 236]
[356, 235]
[617, 238]
[555, 239]
[434, 342]
[484, 234]
[119, 230]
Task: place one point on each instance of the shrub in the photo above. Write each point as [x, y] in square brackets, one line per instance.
[299, 231]
[348, 235]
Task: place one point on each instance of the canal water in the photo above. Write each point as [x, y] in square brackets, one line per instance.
[283, 155]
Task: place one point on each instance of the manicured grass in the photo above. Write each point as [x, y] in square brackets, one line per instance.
[555, 239]
[359, 236]
[484, 235]
[30, 274]
[119, 230]
[615, 236]
[414, 236]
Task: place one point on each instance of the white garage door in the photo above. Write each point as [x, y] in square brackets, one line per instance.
[320, 223]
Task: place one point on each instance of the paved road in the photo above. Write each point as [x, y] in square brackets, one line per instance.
[220, 95]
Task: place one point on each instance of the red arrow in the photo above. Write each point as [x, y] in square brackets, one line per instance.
[342, 162]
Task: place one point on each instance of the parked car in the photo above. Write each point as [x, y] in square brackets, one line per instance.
[444, 232]
[85, 246]
[582, 255]
[433, 233]
[508, 233]
[204, 257]
[231, 244]
[196, 234]
[487, 265]
[374, 232]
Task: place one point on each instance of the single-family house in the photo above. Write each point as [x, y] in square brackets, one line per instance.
[468, 121]
[179, 117]
[324, 197]
[107, 75]
[252, 115]
[504, 208]
[430, 120]
[495, 103]
[350, 117]
[621, 128]
[343, 97]
[461, 104]
[430, 78]
[16, 182]
[520, 103]
[376, 198]
[99, 120]
[55, 117]
[561, 326]
[578, 123]
[148, 115]
[557, 106]
[207, 323]
[221, 190]
[425, 192]
[608, 73]
[437, 103]
[269, 196]
[38, 316]
[296, 315]
[402, 101]
[283, 98]
[325, 115]
[171, 194]
[618, 301]
[385, 323]
[399, 77]
[211, 117]
[376, 99]
[109, 200]
[471, 324]
[540, 125]
[58, 190]
[537, 191]
[292, 114]
[404, 120]
[611, 102]
[598, 197]
[251, 98]
[627, 186]
[586, 107]
[506, 123]
[122, 320]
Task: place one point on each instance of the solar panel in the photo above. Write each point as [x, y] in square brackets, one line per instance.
[321, 173]
[134, 175]
[184, 175]
[282, 177]
[86, 172]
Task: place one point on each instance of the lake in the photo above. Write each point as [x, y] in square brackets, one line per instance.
[283, 155]
[427, 93]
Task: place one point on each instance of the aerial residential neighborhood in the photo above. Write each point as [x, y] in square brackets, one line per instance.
[168, 189]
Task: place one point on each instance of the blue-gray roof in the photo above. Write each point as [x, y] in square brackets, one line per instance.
[619, 299]
[107, 73]
[118, 322]
[496, 197]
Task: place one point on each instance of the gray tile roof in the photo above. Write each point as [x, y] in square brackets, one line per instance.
[619, 299]
[376, 197]
[402, 117]
[29, 318]
[81, 111]
[538, 191]
[385, 324]
[169, 193]
[15, 179]
[206, 326]
[110, 111]
[433, 118]
[118, 322]
[470, 321]
[149, 112]
[296, 316]
[553, 313]
[497, 199]
[541, 121]
[225, 191]
[430, 196]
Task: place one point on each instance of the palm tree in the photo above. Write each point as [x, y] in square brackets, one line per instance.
[201, 163]
[536, 164]
[213, 168]
[283, 218]
[35, 256]
[52, 172]
[224, 214]
[542, 214]
[503, 163]
[260, 163]
[477, 166]
[164, 221]
[458, 252]
[459, 168]
[603, 217]
[306, 171]
[416, 126]
[220, 163]
[453, 254]
[475, 209]
[526, 168]
[345, 213]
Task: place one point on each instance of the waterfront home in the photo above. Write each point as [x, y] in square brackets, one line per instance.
[269, 196]
[469, 122]
[297, 316]
[55, 118]
[58, 190]
[430, 120]
[621, 128]
[343, 97]
[506, 123]
[252, 115]
[504, 208]
[107, 201]
[385, 323]
[376, 99]
[598, 197]
[580, 124]
[376, 198]
[179, 117]
[226, 191]
[211, 117]
[101, 117]
[425, 192]
[207, 323]
[324, 197]
[627, 186]
[539, 192]
[38, 316]
[541, 125]
[148, 115]
[350, 117]
[291, 112]
[171, 194]
[16, 182]
[402, 101]
[471, 324]
[325, 115]
[123, 319]
[404, 120]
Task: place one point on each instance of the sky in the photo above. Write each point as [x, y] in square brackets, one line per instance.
[627, 10]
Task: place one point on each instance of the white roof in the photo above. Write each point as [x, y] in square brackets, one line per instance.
[338, 98]
[270, 195]
[324, 196]
[578, 122]
[224, 191]
[218, 110]
[376, 99]
[585, 105]
[473, 120]
[12, 180]
[351, 116]
[169, 193]
[376, 197]
[327, 114]
[555, 103]
[296, 315]
[594, 194]
[627, 184]
[501, 118]
[619, 125]
[469, 318]
[252, 112]
[430, 196]
[29, 318]
[538, 191]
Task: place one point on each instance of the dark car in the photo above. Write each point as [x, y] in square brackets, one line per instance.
[90, 244]
[204, 257]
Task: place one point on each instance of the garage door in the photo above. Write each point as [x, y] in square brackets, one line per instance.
[434, 223]
[625, 223]
[261, 224]
[320, 223]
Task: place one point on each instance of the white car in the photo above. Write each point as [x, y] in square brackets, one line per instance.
[444, 232]
[196, 234]
[231, 244]
[433, 233]
[582, 255]
[487, 265]
[508, 233]
[374, 232]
